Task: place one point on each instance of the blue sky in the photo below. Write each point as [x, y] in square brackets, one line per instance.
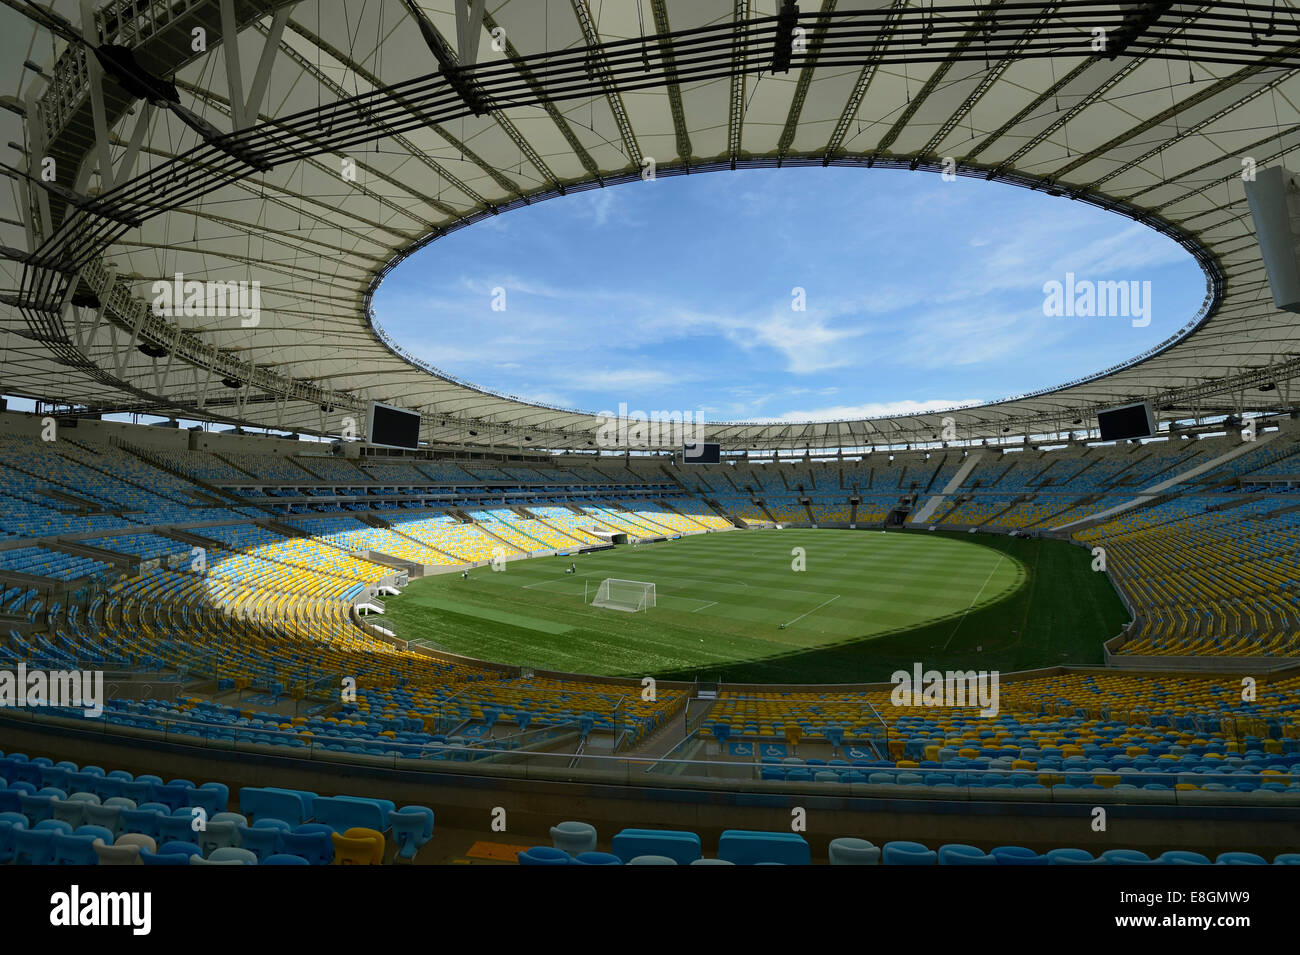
[676, 294]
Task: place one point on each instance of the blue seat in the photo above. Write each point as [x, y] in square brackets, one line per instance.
[292, 806]
[543, 855]
[596, 858]
[1181, 857]
[212, 797]
[8, 822]
[36, 846]
[173, 796]
[1125, 857]
[178, 827]
[683, 847]
[171, 853]
[136, 790]
[412, 829]
[1287, 858]
[1071, 857]
[262, 838]
[342, 813]
[105, 787]
[744, 847]
[57, 776]
[22, 771]
[282, 859]
[144, 821]
[75, 848]
[38, 807]
[907, 853]
[312, 842]
[959, 854]
[1017, 855]
[1240, 858]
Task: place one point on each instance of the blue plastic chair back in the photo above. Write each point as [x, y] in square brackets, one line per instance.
[316, 847]
[74, 849]
[543, 855]
[262, 841]
[596, 858]
[33, 846]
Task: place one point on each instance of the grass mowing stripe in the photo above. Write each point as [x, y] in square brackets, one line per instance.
[497, 616]
[899, 595]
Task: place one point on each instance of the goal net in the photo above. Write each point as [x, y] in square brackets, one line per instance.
[630, 595]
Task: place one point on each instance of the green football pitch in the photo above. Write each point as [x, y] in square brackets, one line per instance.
[856, 606]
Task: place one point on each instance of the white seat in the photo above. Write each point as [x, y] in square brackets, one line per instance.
[117, 854]
[137, 839]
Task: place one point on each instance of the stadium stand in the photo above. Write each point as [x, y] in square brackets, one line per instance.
[227, 563]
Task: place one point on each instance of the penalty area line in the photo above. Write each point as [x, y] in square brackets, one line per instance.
[814, 610]
[554, 580]
[973, 599]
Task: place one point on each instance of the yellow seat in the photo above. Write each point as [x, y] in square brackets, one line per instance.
[358, 847]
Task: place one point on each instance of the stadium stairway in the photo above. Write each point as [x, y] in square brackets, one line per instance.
[1148, 495]
[932, 504]
[510, 549]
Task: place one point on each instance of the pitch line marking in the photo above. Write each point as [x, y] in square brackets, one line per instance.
[552, 580]
[711, 603]
[814, 610]
[973, 599]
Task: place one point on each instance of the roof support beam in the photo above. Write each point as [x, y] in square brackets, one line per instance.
[600, 68]
[739, 53]
[244, 111]
[861, 85]
[674, 90]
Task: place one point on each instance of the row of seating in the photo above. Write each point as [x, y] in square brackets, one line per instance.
[574, 843]
[99, 823]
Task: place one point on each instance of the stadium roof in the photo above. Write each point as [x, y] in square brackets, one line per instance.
[354, 133]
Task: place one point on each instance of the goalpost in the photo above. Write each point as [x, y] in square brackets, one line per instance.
[633, 596]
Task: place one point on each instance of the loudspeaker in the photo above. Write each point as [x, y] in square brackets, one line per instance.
[1274, 199]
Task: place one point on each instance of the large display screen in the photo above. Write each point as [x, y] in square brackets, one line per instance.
[1129, 421]
[393, 427]
[702, 452]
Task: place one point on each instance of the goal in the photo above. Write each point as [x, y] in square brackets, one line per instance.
[631, 595]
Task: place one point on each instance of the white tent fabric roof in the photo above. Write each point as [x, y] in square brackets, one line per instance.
[1159, 133]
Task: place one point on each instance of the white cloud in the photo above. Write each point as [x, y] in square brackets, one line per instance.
[908, 289]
